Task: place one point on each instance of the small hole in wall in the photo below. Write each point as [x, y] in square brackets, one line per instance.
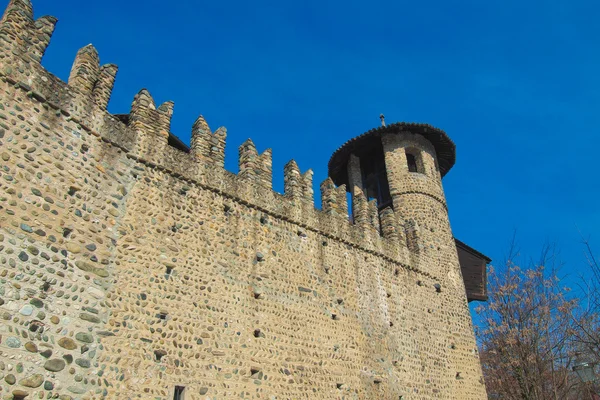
[258, 296]
[254, 371]
[377, 381]
[263, 220]
[339, 385]
[340, 301]
[67, 232]
[257, 333]
[227, 210]
[326, 270]
[458, 375]
[391, 324]
[72, 190]
[388, 294]
[36, 326]
[84, 148]
[159, 354]
[420, 283]
[301, 234]
[162, 316]
[335, 317]
[396, 272]
[324, 243]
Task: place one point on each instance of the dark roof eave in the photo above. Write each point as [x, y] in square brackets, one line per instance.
[472, 251]
[444, 146]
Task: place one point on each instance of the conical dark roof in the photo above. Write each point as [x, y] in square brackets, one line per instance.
[444, 147]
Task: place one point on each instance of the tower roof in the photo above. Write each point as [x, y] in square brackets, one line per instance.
[364, 144]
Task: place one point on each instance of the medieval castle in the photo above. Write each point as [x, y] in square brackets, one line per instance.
[135, 267]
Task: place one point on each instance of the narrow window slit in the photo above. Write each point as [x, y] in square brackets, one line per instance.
[178, 393]
[412, 162]
[168, 272]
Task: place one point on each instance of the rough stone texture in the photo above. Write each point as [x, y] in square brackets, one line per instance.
[144, 267]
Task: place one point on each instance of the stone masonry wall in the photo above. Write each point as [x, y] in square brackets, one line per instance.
[128, 267]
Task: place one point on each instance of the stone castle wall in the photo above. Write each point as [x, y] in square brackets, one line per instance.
[129, 267]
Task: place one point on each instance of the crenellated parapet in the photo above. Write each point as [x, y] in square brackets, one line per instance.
[153, 237]
[333, 199]
[24, 35]
[207, 146]
[144, 134]
[151, 125]
[91, 83]
[389, 224]
[254, 167]
[297, 186]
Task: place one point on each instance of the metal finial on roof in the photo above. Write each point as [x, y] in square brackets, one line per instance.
[382, 118]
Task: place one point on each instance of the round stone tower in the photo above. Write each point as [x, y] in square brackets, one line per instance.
[401, 166]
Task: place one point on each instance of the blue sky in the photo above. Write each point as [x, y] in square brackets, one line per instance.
[515, 84]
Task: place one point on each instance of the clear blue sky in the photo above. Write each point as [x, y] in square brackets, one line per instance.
[514, 83]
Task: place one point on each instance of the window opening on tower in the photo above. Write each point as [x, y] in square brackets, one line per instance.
[375, 181]
[412, 162]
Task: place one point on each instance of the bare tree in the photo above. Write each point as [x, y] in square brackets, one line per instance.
[587, 316]
[526, 330]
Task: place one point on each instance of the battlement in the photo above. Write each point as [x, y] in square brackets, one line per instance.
[144, 134]
[137, 266]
